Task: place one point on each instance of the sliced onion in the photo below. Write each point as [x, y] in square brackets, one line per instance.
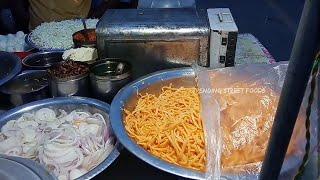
[81, 115]
[68, 145]
[8, 144]
[44, 115]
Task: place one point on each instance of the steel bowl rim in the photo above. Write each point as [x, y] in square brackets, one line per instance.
[71, 100]
[113, 77]
[37, 54]
[3, 90]
[41, 172]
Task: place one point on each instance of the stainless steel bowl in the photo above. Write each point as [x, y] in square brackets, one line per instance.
[108, 77]
[127, 98]
[74, 86]
[68, 104]
[26, 87]
[42, 60]
[69, 86]
[21, 168]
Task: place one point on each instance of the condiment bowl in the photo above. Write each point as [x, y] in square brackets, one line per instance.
[69, 86]
[85, 42]
[42, 60]
[108, 77]
[30, 85]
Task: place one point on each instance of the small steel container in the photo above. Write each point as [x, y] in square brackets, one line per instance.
[26, 87]
[71, 86]
[108, 77]
[78, 44]
[42, 60]
[159, 38]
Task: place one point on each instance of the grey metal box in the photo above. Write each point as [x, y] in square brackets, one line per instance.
[223, 40]
[155, 38]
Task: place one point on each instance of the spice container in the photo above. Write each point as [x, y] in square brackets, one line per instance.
[26, 87]
[85, 38]
[69, 78]
[108, 77]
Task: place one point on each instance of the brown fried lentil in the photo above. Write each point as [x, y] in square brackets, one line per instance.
[68, 69]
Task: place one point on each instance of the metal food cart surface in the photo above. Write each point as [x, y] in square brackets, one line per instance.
[156, 38]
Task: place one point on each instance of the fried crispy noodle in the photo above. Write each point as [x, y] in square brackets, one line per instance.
[69, 145]
[169, 126]
[246, 120]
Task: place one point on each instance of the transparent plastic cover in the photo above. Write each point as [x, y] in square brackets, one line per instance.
[238, 109]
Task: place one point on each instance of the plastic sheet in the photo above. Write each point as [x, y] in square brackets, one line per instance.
[210, 114]
[239, 106]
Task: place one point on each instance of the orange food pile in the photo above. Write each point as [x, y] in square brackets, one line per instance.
[169, 126]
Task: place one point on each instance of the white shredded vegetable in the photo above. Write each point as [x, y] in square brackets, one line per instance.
[58, 35]
[68, 145]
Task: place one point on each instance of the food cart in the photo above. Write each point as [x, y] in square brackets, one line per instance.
[140, 62]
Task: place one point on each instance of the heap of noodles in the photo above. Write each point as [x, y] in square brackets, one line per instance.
[169, 126]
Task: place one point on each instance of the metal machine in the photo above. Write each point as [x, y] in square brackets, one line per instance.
[161, 38]
[155, 39]
[223, 37]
